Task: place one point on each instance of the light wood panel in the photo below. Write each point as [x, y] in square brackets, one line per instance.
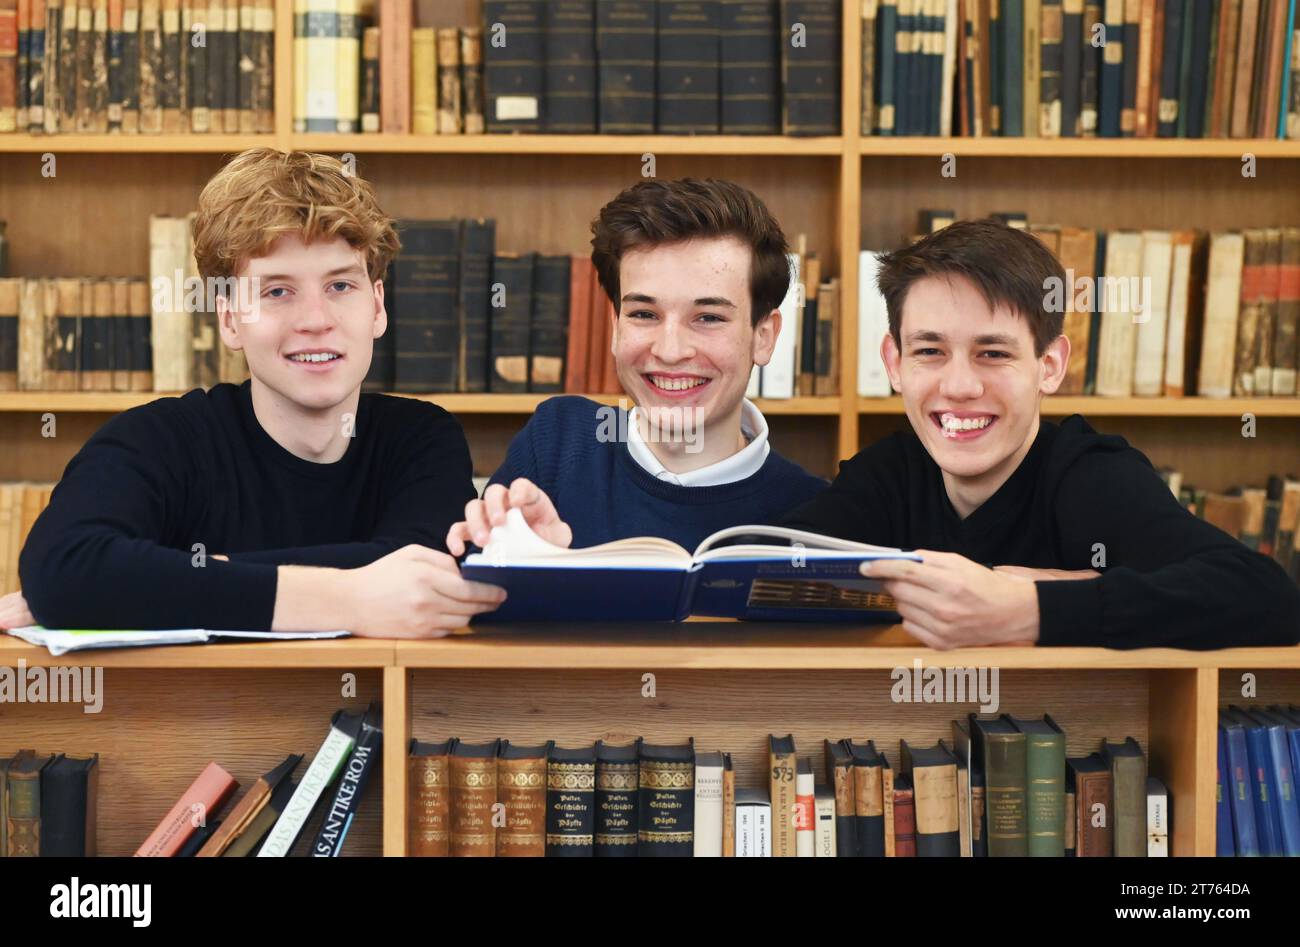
[157, 730]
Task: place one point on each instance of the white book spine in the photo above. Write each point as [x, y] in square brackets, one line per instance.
[1180, 282]
[805, 835]
[1157, 824]
[1153, 319]
[331, 755]
[744, 831]
[763, 832]
[708, 812]
[1222, 306]
[825, 806]
[1117, 352]
[873, 323]
[779, 373]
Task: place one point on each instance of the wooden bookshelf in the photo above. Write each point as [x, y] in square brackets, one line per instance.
[728, 684]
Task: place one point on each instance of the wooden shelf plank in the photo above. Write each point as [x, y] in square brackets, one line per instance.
[1135, 407]
[341, 653]
[135, 144]
[759, 145]
[1165, 148]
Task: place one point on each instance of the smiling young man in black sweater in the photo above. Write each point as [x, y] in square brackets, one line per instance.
[292, 502]
[1030, 531]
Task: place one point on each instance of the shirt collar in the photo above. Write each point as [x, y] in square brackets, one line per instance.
[739, 466]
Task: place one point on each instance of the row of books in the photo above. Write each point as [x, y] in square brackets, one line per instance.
[1081, 68]
[20, 504]
[48, 803]
[1266, 519]
[571, 66]
[137, 66]
[1259, 769]
[1152, 312]
[1002, 787]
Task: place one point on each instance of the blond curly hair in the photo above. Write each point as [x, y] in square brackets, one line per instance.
[263, 194]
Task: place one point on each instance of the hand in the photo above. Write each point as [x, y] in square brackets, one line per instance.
[14, 612]
[947, 601]
[523, 495]
[1048, 575]
[415, 592]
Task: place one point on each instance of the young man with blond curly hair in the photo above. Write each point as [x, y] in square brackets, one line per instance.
[292, 502]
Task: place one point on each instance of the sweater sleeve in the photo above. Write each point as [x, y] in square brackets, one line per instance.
[95, 557]
[429, 484]
[544, 428]
[1169, 579]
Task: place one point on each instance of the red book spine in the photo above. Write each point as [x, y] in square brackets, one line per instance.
[200, 802]
[904, 824]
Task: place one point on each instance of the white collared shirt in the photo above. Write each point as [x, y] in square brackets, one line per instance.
[744, 463]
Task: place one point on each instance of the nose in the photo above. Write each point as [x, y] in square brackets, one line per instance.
[960, 381]
[672, 343]
[312, 314]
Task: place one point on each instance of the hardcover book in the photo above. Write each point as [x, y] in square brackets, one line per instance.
[522, 789]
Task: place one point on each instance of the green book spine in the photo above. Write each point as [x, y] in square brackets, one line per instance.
[24, 815]
[1045, 793]
[1004, 768]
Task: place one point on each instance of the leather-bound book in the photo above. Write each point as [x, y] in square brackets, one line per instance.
[35, 74]
[141, 315]
[1078, 251]
[1004, 778]
[571, 66]
[750, 83]
[868, 799]
[120, 306]
[1223, 290]
[1132, 55]
[963, 800]
[887, 778]
[370, 80]
[1243, 79]
[571, 802]
[30, 342]
[1044, 784]
[395, 22]
[1094, 814]
[1111, 71]
[548, 324]
[708, 828]
[477, 244]
[617, 806]
[1267, 296]
[23, 799]
[98, 345]
[1128, 770]
[886, 94]
[522, 788]
[509, 329]
[625, 53]
[1169, 78]
[1186, 292]
[687, 69]
[966, 746]
[471, 80]
[347, 71]
[1089, 95]
[251, 838]
[934, 781]
[424, 81]
[428, 799]
[5, 762]
[242, 815]
[63, 337]
[206, 795]
[1072, 52]
[449, 103]
[11, 291]
[576, 358]
[1071, 816]
[1194, 114]
[426, 284]
[839, 774]
[514, 73]
[169, 82]
[473, 769]
[1288, 307]
[69, 796]
[904, 817]
[1253, 301]
[666, 798]
[729, 810]
[219, 59]
[230, 77]
[130, 74]
[193, 13]
[781, 782]
[67, 73]
[811, 73]
[351, 786]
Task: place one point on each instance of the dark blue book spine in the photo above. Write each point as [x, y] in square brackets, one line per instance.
[1170, 63]
[478, 243]
[996, 95]
[1263, 791]
[1223, 846]
[513, 71]
[1013, 68]
[1111, 95]
[625, 50]
[549, 324]
[887, 66]
[1094, 322]
[1072, 53]
[426, 281]
[902, 83]
[1128, 105]
[688, 68]
[571, 66]
[1198, 88]
[366, 753]
[509, 331]
[1092, 57]
[750, 60]
[1284, 799]
[812, 70]
[1240, 783]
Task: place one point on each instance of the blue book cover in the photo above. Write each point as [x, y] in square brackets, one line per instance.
[1292, 717]
[1285, 97]
[1224, 847]
[1263, 788]
[1239, 783]
[651, 579]
[1280, 753]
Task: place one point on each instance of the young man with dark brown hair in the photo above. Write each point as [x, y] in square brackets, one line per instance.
[1030, 531]
[696, 270]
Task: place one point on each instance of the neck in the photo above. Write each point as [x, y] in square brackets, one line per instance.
[315, 435]
[968, 494]
[707, 444]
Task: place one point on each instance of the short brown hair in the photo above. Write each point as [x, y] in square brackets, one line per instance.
[1009, 266]
[263, 194]
[652, 212]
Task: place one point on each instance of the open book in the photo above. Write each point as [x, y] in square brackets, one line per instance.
[794, 576]
[61, 641]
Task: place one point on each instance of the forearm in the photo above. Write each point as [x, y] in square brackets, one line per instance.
[308, 598]
[332, 556]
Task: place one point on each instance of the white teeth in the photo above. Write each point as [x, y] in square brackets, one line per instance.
[314, 357]
[952, 424]
[676, 384]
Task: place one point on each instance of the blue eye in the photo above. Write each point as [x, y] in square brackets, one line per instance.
[275, 289]
[711, 318]
[344, 283]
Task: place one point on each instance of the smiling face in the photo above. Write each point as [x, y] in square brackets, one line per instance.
[971, 383]
[311, 339]
[683, 335]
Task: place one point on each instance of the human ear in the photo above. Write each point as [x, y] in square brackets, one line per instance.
[765, 335]
[226, 319]
[381, 314]
[1052, 365]
[892, 357]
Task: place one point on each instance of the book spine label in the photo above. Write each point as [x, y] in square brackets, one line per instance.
[667, 808]
[617, 809]
[570, 808]
[514, 52]
[522, 789]
[429, 792]
[473, 794]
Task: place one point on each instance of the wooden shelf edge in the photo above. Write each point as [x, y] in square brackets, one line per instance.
[1155, 407]
[757, 145]
[345, 653]
[1232, 148]
[134, 144]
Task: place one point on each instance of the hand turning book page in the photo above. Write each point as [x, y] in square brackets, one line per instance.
[791, 576]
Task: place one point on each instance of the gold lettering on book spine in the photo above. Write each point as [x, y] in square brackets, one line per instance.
[670, 775]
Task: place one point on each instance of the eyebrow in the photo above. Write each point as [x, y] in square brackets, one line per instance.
[701, 301]
[929, 335]
[337, 271]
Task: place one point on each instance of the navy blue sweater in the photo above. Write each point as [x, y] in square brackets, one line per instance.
[604, 494]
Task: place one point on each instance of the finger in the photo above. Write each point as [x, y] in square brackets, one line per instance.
[497, 500]
[454, 588]
[458, 538]
[480, 530]
[918, 573]
[924, 635]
